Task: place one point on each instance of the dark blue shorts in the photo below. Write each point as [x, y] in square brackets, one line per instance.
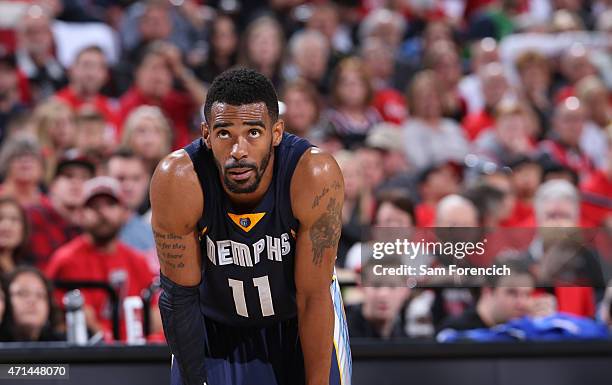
[267, 356]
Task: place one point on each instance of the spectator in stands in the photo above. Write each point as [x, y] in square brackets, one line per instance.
[379, 61]
[453, 211]
[14, 235]
[54, 126]
[429, 137]
[309, 54]
[387, 139]
[433, 184]
[494, 88]
[3, 312]
[223, 48]
[384, 24]
[489, 201]
[596, 191]
[147, 133]
[535, 83]
[379, 316]
[99, 255]
[22, 168]
[579, 277]
[394, 209]
[33, 313]
[263, 45]
[302, 109]
[160, 21]
[133, 177]
[35, 54]
[563, 147]
[159, 67]
[88, 74]
[442, 58]
[562, 259]
[326, 18]
[351, 115]
[502, 299]
[56, 223]
[595, 97]
[526, 177]
[10, 104]
[92, 138]
[370, 159]
[575, 65]
[483, 52]
[358, 204]
[510, 138]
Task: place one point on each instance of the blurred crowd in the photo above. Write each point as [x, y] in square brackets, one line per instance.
[450, 113]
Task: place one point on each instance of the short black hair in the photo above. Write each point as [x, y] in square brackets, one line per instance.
[240, 86]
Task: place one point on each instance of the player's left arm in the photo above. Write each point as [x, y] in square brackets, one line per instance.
[317, 195]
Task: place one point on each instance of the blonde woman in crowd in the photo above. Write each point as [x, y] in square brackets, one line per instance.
[53, 123]
[147, 133]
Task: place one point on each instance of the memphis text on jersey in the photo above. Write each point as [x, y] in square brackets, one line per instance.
[228, 252]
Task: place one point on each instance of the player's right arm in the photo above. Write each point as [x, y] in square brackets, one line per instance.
[176, 203]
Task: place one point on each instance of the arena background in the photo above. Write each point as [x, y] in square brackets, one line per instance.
[444, 115]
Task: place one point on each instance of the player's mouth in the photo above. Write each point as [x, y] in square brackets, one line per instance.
[240, 174]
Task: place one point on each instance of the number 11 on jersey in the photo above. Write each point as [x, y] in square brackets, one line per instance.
[265, 295]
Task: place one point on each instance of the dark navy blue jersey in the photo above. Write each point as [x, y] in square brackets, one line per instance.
[248, 257]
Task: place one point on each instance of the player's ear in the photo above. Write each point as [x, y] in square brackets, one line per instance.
[277, 132]
[205, 134]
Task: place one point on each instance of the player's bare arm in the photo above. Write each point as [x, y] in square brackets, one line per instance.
[177, 204]
[317, 195]
[177, 201]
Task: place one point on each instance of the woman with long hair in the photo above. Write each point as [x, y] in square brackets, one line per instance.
[352, 114]
[14, 233]
[148, 134]
[262, 50]
[32, 312]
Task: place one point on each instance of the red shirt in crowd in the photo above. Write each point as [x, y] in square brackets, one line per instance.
[596, 198]
[101, 103]
[568, 157]
[80, 260]
[477, 123]
[48, 231]
[177, 106]
[391, 105]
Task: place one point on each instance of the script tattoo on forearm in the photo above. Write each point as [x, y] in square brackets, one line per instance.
[170, 249]
[325, 232]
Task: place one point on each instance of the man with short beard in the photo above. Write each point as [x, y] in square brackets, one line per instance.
[99, 255]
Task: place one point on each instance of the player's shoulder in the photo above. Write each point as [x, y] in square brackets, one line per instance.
[315, 164]
[175, 189]
[175, 172]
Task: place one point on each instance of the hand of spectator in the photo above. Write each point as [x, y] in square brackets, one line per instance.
[542, 305]
[174, 58]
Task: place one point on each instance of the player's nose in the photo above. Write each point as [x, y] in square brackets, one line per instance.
[240, 148]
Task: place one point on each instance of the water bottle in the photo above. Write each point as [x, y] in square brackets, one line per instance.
[132, 309]
[75, 318]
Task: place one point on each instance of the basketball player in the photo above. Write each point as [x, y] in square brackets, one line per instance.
[246, 221]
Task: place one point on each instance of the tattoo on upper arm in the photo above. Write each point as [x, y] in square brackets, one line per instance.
[318, 197]
[170, 249]
[325, 232]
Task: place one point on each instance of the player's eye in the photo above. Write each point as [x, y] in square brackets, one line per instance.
[222, 134]
[254, 133]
